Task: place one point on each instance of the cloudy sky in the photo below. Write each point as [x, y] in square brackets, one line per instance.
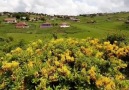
[64, 7]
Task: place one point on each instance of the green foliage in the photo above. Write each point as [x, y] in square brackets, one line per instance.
[65, 64]
[20, 15]
[116, 37]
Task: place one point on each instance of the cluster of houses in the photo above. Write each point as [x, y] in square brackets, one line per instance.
[47, 25]
[25, 25]
[17, 24]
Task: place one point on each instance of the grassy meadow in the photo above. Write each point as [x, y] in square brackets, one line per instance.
[104, 25]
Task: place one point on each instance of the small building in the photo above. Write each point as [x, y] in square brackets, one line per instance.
[64, 25]
[10, 20]
[1, 13]
[91, 21]
[32, 19]
[22, 25]
[74, 19]
[46, 25]
[23, 18]
[127, 22]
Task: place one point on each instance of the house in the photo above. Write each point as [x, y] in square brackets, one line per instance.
[23, 18]
[64, 25]
[32, 19]
[10, 20]
[74, 19]
[91, 21]
[1, 13]
[22, 25]
[46, 25]
[127, 22]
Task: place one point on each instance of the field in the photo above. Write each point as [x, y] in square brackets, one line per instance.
[104, 25]
[92, 54]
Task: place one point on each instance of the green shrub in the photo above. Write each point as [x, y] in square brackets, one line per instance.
[116, 37]
[65, 64]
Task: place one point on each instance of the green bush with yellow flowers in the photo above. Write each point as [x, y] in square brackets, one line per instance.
[66, 64]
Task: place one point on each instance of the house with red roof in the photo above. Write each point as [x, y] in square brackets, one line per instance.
[10, 20]
[22, 25]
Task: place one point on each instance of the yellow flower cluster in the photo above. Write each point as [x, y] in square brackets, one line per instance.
[72, 41]
[48, 71]
[119, 77]
[30, 50]
[30, 64]
[86, 60]
[68, 57]
[106, 43]
[38, 51]
[87, 51]
[92, 73]
[122, 52]
[64, 71]
[99, 54]
[94, 41]
[115, 51]
[9, 66]
[119, 63]
[44, 72]
[106, 83]
[53, 78]
[57, 63]
[17, 51]
[57, 41]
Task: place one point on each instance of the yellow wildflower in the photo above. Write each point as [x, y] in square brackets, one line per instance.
[44, 72]
[69, 59]
[64, 71]
[105, 82]
[30, 50]
[40, 41]
[38, 51]
[7, 66]
[119, 77]
[92, 73]
[34, 44]
[57, 63]
[30, 64]
[15, 64]
[18, 50]
[107, 43]
[99, 54]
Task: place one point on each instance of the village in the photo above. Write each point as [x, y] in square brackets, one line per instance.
[21, 19]
[44, 25]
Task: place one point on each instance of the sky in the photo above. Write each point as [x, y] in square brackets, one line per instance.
[64, 7]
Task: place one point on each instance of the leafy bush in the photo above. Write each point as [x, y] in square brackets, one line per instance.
[65, 64]
[116, 37]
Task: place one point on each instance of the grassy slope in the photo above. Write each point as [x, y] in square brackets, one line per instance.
[78, 29]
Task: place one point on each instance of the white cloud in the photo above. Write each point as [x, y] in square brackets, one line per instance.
[70, 7]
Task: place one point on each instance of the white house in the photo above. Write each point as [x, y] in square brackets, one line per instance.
[64, 25]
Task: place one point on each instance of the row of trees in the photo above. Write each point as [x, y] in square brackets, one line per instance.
[21, 15]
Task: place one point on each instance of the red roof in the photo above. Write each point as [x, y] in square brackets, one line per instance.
[21, 24]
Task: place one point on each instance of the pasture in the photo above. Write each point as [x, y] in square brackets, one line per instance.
[103, 26]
